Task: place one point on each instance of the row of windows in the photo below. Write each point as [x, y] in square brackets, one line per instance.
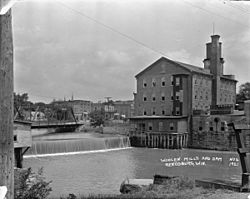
[202, 82]
[171, 126]
[163, 82]
[201, 97]
[163, 98]
[226, 98]
[227, 85]
[160, 125]
[153, 112]
[223, 127]
[163, 112]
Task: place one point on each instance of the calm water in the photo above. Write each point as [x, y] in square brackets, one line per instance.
[103, 172]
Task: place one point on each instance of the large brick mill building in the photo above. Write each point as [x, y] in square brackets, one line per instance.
[170, 94]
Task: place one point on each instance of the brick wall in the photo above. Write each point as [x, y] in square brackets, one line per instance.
[220, 137]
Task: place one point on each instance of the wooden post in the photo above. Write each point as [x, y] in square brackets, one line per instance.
[168, 137]
[18, 157]
[182, 140]
[6, 105]
[244, 154]
[164, 142]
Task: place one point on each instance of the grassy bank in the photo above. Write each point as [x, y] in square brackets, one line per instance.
[197, 193]
[176, 188]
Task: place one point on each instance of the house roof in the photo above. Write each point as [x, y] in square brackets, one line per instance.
[188, 67]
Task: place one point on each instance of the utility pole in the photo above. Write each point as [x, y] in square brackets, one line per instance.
[6, 101]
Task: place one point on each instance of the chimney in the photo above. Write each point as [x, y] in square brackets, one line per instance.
[214, 62]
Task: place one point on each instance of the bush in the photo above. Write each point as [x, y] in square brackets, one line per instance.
[29, 185]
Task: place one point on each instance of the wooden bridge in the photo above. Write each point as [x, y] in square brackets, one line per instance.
[58, 126]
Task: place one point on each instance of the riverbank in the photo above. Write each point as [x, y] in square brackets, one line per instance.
[169, 188]
[196, 193]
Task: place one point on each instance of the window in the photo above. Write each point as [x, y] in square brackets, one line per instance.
[153, 111]
[172, 97]
[200, 128]
[162, 97]
[163, 82]
[144, 112]
[163, 112]
[144, 98]
[171, 126]
[153, 98]
[153, 82]
[222, 126]
[172, 80]
[15, 138]
[177, 81]
[177, 109]
[177, 97]
[206, 96]
[211, 128]
[144, 83]
[150, 126]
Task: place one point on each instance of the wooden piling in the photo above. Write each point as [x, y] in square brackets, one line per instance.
[165, 142]
[177, 140]
[6, 105]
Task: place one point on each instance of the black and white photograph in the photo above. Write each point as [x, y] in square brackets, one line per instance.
[130, 99]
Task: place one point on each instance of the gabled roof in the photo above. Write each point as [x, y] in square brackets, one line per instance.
[193, 68]
[188, 67]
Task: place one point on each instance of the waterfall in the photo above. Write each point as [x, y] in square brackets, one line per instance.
[51, 147]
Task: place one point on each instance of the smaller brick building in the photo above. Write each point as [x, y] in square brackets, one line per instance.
[81, 108]
[124, 109]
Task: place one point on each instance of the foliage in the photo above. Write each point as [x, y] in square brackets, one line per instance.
[172, 185]
[29, 185]
[244, 92]
[21, 104]
[39, 106]
[97, 117]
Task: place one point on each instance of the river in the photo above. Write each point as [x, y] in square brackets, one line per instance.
[101, 168]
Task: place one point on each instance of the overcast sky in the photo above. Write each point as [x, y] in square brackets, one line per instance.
[93, 49]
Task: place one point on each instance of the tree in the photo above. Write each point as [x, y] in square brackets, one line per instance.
[20, 99]
[244, 92]
[21, 105]
[97, 117]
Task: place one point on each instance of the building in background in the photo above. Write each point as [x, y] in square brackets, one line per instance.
[169, 93]
[124, 109]
[97, 106]
[109, 110]
[81, 109]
